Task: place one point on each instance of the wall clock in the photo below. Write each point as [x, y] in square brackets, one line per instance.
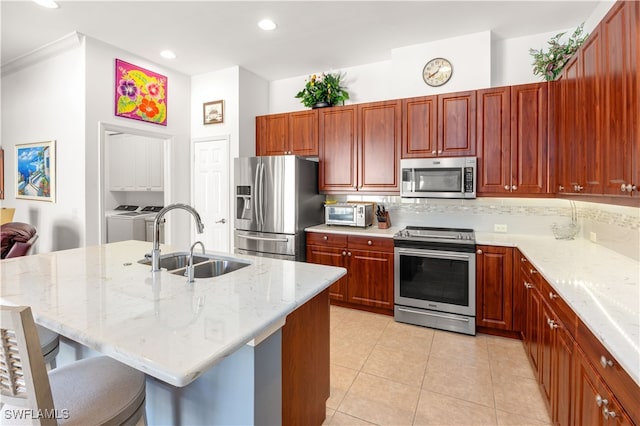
[437, 72]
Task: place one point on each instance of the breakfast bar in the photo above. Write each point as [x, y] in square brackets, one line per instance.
[211, 349]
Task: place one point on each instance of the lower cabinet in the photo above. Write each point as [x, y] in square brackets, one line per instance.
[563, 354]
[494, 287]
[369, 263]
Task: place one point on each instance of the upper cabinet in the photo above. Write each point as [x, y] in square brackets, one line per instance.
[360, 148]
[512, 140]
[293, 133]
[135, 163]
[439, 126]
[597, 120]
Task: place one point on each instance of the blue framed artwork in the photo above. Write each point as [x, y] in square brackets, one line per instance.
[36, 171]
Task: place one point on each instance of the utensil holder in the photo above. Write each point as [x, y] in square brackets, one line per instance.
[384, 221]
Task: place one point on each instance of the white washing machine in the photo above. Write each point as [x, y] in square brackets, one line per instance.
[130, 225]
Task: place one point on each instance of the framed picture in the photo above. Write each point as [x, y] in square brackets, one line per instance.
[36, 171]
[140, 94]
[213, 112]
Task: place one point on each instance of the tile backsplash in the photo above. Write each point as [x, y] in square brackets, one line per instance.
[615, 227]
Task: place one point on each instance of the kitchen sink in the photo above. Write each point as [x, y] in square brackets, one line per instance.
[204, 266]
[176, 260]
[213, 268]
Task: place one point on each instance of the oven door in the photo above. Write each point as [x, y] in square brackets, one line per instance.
[437, 280]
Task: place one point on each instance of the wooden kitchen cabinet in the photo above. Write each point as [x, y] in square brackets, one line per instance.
[513, 161]
[293, 133]
[360, 148]
[369, 263]
[439, 126]
[494, 287]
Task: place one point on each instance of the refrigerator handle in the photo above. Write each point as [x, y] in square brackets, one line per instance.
[256, 194]
[261, 194]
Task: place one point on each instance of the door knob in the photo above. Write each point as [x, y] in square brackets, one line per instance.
[223, 220]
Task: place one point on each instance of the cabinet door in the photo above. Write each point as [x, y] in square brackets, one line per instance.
[303, 133]
[494, 282]
[122, 164]
[457, 124]
[532, 325]
[272, 134]
[520, 284]
[529, 150]
[563, 376]
[493, 145]
[155, 164]
[370, 278]
[419, 125]
[379, 138]
[330, 256]
[573, 151]
[587, 388]
[545, 359]
[635, 99]
[591, 98]
[338, 168]
[618, 92]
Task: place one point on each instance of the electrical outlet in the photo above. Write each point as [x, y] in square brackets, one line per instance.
[593, 237]
[499, 227]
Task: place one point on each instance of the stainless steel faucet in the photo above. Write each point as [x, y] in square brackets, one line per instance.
[190, 264]
[155, 253]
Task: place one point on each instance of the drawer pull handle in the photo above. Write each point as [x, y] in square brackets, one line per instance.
[604, 362]
[552, 295]
[601, 401]
[608, 414]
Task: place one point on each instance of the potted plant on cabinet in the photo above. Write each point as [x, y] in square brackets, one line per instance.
[549, 64]
[323, 91]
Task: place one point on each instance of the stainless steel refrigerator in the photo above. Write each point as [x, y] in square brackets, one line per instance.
[276, 199]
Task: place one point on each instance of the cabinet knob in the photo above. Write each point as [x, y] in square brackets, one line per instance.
[604, 362]
[514, 187]
[325, 238]
[349, 253]
[506, 187]
[608, 414]
[578, 188]
[552, 324]
[440, 152]
[600, 401]
[344, 253]
[552, 295]
[628, 188]
[370, 242]
[533, 271]
[527, 285]
[523, 259]
[478, 251]
[560, 188]
[433, 152]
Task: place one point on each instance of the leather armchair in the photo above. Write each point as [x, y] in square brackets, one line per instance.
[17, 239]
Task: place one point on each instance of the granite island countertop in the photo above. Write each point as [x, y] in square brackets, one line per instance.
[600, 285]
[101, 297]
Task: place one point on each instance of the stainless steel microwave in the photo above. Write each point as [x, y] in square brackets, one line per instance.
[349, 214]
[452, 177]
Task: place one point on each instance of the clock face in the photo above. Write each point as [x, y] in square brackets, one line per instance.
[437, 72]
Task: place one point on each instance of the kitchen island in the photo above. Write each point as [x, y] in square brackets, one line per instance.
[212, 349]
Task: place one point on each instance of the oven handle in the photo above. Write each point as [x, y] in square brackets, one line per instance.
[441, 254]
[433, 314]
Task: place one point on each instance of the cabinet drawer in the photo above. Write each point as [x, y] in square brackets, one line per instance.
[326, 239]
[620, 383]
[370, 243]
[563, 312]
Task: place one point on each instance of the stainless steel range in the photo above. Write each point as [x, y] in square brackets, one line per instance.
[435, 278]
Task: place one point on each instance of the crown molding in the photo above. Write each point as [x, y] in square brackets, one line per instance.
[70, 41]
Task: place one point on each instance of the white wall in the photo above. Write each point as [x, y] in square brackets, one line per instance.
[43, 100]
[254, 101]
[100, 81]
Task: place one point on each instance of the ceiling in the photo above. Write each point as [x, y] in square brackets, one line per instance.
[312, 36]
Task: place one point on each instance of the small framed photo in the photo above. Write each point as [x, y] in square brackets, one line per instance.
[36, 171]
[213, 112]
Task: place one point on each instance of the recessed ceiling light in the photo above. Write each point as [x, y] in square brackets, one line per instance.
[167, 54]
[267, 25]
[50, 4]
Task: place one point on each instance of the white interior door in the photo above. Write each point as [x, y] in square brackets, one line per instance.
[210, 186]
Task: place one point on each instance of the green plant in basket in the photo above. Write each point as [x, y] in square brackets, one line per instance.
[324, 88]
[549, 64]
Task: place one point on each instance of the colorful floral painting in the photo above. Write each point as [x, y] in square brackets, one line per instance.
[140, 94]
[36, 171]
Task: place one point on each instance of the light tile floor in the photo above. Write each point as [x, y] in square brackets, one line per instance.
[389, 373]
